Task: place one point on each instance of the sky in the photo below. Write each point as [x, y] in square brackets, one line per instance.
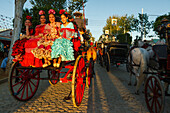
[97, 11]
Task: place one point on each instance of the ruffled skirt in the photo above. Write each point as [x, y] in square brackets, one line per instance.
[64, 48]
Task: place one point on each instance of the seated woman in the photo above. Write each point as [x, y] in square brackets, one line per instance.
[76, 39]
[18, 47]
[62, 47]
[43, 51]
[29, 59]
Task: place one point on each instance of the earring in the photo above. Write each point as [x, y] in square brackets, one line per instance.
[67, 20]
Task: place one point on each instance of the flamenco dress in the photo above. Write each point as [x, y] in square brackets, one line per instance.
[76, 41]
[44, 44]
[63, 47]
[19, 46]
[29, 59]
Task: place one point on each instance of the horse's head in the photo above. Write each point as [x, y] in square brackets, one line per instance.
[150, 51]
[140, 43]
[153, 62]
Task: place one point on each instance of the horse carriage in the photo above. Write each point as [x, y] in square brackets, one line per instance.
[154, 90]
[24, 81]
[115, 53]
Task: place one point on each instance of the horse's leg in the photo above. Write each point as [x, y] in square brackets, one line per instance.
[136, 75]
[135, 81]
[130, 69]
[166, 85]
[140, 80]
[130, 76]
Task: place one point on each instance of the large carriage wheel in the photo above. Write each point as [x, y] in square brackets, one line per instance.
[54, 77]
[89, 72]
[107, 62]
[23, 83]
[78, 81]
[154, 95]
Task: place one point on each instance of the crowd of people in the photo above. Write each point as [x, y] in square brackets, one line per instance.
[59, 40]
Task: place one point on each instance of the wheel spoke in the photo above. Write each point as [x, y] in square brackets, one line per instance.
[152, 84]
[158, 103]
[150, 99]
[150, 88]
[30, 87]
[17, 83]
[32, 83]
[23, 91]
[27, 90]
[152, 104]
[20, 87]
[155, 107]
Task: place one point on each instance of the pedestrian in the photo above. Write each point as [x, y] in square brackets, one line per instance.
[4, 61]
[78, 20]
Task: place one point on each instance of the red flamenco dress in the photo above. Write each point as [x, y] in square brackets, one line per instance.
[19, 47]
[29, 59]
[76, 42]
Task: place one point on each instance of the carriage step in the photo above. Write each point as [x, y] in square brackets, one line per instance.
[64, 80]
[38, 68]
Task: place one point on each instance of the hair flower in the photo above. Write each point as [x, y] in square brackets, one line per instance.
[28, 17]
[41, 12]
[61, 11]
[51, 11]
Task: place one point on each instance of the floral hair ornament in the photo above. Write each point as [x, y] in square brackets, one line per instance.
[41, 12]
[62, 11]
[51, 11]
[28, 17]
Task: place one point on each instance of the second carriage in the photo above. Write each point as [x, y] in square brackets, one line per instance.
[115, 53]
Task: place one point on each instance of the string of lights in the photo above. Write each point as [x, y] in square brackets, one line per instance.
[6, 22]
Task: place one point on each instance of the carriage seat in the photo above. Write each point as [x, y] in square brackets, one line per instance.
[161, 51]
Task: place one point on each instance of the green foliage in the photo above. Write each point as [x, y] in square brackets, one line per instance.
[76, 5]
[142, 24]
[49, 4]
[124, 24]
[45, 5]
[158, 20]
[125, 38]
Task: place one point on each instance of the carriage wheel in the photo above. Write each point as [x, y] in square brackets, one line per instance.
[89, 72]
[154, 95]
[107, 62]
[78, 81]
[23, 83]
[52, 74]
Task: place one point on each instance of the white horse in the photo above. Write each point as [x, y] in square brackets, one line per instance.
[139, 59]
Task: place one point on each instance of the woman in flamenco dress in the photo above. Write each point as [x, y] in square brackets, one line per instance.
[19, 45]
[62, 47]
[51, 32]
[29, 59]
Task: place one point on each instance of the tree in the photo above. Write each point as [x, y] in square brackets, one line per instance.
[17, 28]
[124, 24]
[76, 5]
[142, 25]
[45, 5]
[158, 20]
[49, 4]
